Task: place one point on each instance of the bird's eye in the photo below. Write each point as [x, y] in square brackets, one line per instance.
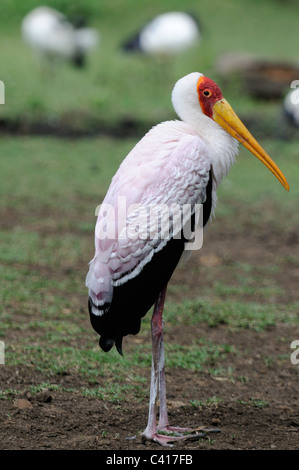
[207, 93]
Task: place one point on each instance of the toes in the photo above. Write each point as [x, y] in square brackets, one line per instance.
[167, 435]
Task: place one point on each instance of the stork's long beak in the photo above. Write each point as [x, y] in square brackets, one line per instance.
[225, 116]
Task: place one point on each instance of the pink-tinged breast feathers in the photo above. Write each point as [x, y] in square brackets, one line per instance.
[168, 166]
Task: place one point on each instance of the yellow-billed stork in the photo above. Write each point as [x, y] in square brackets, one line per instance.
[176, 163]
[52, 36]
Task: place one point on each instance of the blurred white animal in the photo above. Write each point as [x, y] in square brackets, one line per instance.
[288, 118]
[167, 34]
[291, 106]
[53, 37]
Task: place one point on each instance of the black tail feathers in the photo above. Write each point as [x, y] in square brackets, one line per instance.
[107, 343]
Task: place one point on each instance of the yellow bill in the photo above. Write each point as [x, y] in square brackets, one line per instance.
[225, 116]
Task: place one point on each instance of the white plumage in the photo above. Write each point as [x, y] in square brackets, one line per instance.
[52, 36]
[167, 34]
[291, 106]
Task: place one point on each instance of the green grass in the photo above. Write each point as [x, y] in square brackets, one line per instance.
[209, 402]
[50, 188]
[117, 86]
[115, 392]
[250, 181]
[256, 402]
[65, 175]
[234, 313]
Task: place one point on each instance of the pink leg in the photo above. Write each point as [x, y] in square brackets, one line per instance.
[163, 414]
[150, 432]
[158, 383]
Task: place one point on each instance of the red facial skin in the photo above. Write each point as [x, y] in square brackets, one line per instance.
[208, 93]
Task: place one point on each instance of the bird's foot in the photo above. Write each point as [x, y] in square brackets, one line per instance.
[168, 435]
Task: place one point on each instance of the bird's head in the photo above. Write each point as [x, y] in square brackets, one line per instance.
[196, 97]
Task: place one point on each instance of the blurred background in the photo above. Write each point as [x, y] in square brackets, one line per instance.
[68, 121]
[117, 88]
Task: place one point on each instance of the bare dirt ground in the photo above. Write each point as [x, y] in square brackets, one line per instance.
[58, 420]
[259, 412]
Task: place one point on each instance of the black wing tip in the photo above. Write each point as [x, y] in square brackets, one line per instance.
[118, 345]
[107, 343]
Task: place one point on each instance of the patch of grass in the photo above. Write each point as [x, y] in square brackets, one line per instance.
[233, 313]
[34, 389]
[266, 292]
[198, 356]
[11, 394]
[208, 403]
[249, 181]
[227, 372]
[243, 379]
[8, 394]
[54, 359]
[114, 392]
[66, 176]
[256, 402]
